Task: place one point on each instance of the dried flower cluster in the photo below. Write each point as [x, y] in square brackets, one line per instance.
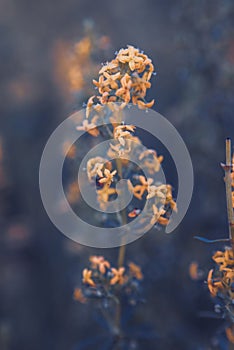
[158, 197]
[220, 282]
[121, 81]
[220, 279]
[102, 281]
[126, 78]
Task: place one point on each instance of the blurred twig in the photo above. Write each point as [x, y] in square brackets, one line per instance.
[228, 183]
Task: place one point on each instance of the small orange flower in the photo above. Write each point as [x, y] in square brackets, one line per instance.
[112, 80]
[151, 161]
[124, 91]
[95, 167]
[135, 271]
[123, 132]
[162, 221]
[193, 270]
[69, 151]
[104, 98]
[135, 212]
[143, 105]
[100, 263]
[214, 286]
[108, 179]
[104, 194]
[87, 274]
[73, 192]
[139, 190]
[140, 86]
[130, 56]
[212, 290]
[118, 149]
[89, 128]
[117, 275]
[230, 334]
[224, 259]
[102, 84]
[160, 192]
[78, 296]
[157, 216]
[89, 106]
[109, 66]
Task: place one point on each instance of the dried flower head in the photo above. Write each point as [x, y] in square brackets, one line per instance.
[151, 161]
[220, 280]
[230, 334]
[135, 271]
[108, 177]
[140, 189]
[98, 262]
[89, 128]
[123, 132]
[95, 167]
[106, 282]
[87, 278]
[126, 78]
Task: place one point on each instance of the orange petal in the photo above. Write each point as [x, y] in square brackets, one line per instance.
[143, 105]
[230, 335]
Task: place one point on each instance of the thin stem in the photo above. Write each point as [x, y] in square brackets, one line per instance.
[122, 248]
[122, 251]
[228, 183]
[112, 325]
[110, 133]
[118, 318]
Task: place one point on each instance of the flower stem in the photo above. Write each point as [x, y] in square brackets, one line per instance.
[228, 184]
[122, 248]
[122, 251]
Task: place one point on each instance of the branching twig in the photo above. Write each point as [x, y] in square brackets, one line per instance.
[228, 183]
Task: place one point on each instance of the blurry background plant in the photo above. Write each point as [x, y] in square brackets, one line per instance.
[76, 63]
[220, 279]
[191, 44]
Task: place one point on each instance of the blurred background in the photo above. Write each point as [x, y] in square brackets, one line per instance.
[50, 52]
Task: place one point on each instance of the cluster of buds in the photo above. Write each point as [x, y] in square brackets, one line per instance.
[159, 198]
[220, 282]
[126, 78]
[100, 170]
[122, 81]
[105, 173]
[221, 279]
[102, 281]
